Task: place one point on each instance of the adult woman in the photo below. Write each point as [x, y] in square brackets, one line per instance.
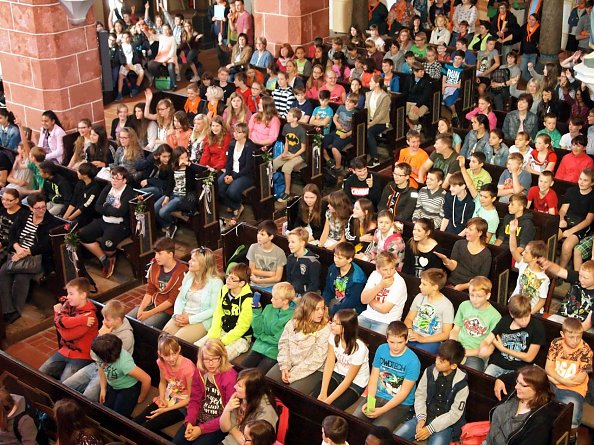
[402, 12]
[99, 153]
[477, 139]
[28, 239]
[238, 173]
[528, 414]
[240, 54]
[484, 106]
[293, 79]
[356, 89]
[315, 82]
[470, 257]
[521, 119]
[214, 104]
[530, 32]
[444, 125]
[11, 209]
[212, 388]
[346, 372]
[190, 43]
[504, 26]
[309, 212]
[128, 152]
[303, 345]
[252, 400]
[377, 101]
[51, 137]
[216, 145]
[163, 117]
[261, 58]
[236, 112]
[533, 87]
[421, 249]
[179, 135]
[285, 53]
[337, 92]
[81, 144]
[264, 126]
[166, 55]
[356, 36]
[465, 11]
[199, 132]
[123, 120]
[10, 136]
[197, 298]
[146, 129]
[73, 425]
[549, 77]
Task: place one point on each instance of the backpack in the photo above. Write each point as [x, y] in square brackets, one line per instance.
[283, 420]
[475, 433]
[278, 184]
[42, 421]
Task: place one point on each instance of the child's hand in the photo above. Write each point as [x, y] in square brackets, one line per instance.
[369, 181]
[102, 396]
[423, 434]
[498, 343]
[105, 330]
[420, 425]
[90, 321]
[387, 282]
[513, 225]
[461, 161]
[57, 307]
[286, 375]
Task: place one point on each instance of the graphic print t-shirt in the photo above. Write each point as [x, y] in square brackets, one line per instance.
[475, 324]
[517, 340]
[212, 406]
[431, 315]
[570, 364]
[393, 371]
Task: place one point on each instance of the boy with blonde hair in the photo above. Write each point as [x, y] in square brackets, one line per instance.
[303, 267]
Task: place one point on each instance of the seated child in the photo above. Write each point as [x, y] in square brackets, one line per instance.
[522, 146]
[335, 430]
[176, 373]
[476, 173]
[81, 208]
[387, 238]
[268, 325]
[302, 103]
[543, 157]
[409, 60]
[516, 339]
[164, 279]
[86, 380]
[266, 259]
[346, 372]
[431, 420]
[293, 155]
[451, 84]
[56, 188]
[413, 155]
[573, 163]
[391, 389]
[431, 198]
[123, 384]
[232, 318]
[474, 320]
[76, 322]
[345, 281]
[550, 129]
[322, 115]
[568, 363]
[335, 142]
[525, 231]
[303, 267]
[543, 196]
[514, 179]
[384, 294]
[431, 315]
[458, 205]
[532, 282]
[497, 150]
[364, 183]
[575, 125]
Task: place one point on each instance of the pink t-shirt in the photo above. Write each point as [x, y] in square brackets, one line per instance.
[336, 93]
[177, 388]
[244, 24]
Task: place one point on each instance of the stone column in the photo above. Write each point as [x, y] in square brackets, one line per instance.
[47, 63]
[551, 27]
[290, 21]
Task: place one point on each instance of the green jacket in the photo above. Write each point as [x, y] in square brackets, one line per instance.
[232, 317]
[268, 325]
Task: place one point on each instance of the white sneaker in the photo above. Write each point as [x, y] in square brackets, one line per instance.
[177, 77]
[195, 79]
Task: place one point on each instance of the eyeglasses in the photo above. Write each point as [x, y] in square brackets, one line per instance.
[335, 323]
[233, 279]
[211, 360]
[4, 199]
[117, 178]
[39, 209]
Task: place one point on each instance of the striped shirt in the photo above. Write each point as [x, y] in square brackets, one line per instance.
[28, 236]
[283, 98]
[430, 205]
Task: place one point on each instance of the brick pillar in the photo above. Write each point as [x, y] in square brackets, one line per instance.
[47, 63]
[290, 21]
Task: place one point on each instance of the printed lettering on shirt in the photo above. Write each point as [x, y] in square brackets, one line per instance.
[515, 341]
[475, 326]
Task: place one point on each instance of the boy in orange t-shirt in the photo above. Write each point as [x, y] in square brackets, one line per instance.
[414, 155]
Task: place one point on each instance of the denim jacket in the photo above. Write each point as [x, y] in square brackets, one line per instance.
[10, 137]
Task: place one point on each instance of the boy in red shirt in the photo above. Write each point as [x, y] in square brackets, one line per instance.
[543, 196]
[572, 164]
[240, 82]
[76, 322]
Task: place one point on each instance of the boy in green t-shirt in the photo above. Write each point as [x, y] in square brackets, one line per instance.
[36, 157]
[550, 123]
[474, 321]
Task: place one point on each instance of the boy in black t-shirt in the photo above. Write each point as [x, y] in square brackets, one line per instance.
[515, 341]
[525, 231]
[362, 183]
[82, 205]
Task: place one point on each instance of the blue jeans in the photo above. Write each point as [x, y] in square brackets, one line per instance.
[567, 396]
[60, 367]
[163, 212]
[496, 371]
[408, 430]
[475, 362]
[157, 321]
[86, 381]
[157, 192]
[230, 194]
[375, 326]
[524, 65]
[213, 438]
[429, 347]
[373, 133]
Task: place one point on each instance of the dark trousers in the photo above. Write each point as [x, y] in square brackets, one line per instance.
[213, 438]
[122, 401]
[347, 398]
[256, 360]
[161, 421]
[373, 133]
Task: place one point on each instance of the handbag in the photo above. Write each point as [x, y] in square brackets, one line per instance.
[30, 264]
[475, 433]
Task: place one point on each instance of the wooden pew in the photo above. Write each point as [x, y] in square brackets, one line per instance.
[44, 391]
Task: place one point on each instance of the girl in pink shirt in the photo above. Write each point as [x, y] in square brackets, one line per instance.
[265, 125]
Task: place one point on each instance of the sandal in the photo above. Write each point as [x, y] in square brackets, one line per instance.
[237, 213]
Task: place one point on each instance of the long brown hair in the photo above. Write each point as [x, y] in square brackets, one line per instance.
[168, 120]
[341, 204]
[217, 139]
[367, 208]
[319, 82]
[256, 389]
[536, 378]
[427, 226]
[240, 115]
[350, 330]
[313, 215]
[302, 317]
[79, 144]
[268, 111]
[133, 151]
[72, 422]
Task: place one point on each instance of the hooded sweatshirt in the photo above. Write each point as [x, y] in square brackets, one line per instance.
[268, 325]
[26, 426]
[525, 232]
[400, 202]
[346, 289]
[200, 310]
[170, 289]
[304, 272]
[233, 316]
[125, 333]
[74, 333]
[458, 212]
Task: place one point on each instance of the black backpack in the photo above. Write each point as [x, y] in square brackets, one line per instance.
[42, 422]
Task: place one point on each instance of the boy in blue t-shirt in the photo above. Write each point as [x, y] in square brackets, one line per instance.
[302, 102]
[322, 115]
[337, 140]
[391, 389]
[451, 84]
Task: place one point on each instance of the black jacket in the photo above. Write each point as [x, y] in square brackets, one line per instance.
[355, 189]
[400, 202]
[246, 162]
[419, 92]
[154, 176]
[191, 171]
[114, 123]
[58, 189]
[294, 219]
[136, 55]
[84, 199]
[106, 209]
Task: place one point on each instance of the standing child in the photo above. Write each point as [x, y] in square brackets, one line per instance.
[266, 259]
[76, 323]
[303, 267]
[387, 238]
[232, 318]
[515, 341]
[474, 320]
[568, 363]
[268, 325]
[293, 155]
[123, 384]
[176, 373]
[431, 315]
[384, 294]
[542, 195]
[434, 396]
[391, 389]
[346, 372]
[543, 157]
[345, 281]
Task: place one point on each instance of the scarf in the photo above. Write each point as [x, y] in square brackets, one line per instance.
[530, 32]
[500, 21]
[371, 9]
[212, 108]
